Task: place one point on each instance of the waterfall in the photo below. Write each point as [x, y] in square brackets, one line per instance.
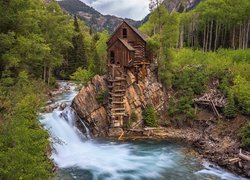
[70, 116]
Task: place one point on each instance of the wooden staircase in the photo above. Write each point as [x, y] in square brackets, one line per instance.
[117, 90]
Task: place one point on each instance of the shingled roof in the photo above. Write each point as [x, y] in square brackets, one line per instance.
[142, 35]
[139, 33]
[127, 45]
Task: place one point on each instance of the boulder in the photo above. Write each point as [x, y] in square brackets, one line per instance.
[62, 106]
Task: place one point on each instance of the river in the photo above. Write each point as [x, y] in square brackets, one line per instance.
[77, 156]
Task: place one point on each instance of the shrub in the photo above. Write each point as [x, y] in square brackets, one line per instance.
[242, 94]
[245, 136]
[230, 109]
[81, 76]
[101, 96]
[133, 118]
[181, 107]
[150, 116]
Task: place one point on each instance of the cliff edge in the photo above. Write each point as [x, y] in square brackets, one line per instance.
[138, 95]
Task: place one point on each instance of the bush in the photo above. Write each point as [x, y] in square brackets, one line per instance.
[245, 136]
[230, 109]
[101, 96]
[181, 107]
[242, 94]
[150, 116]
[133, 118]
[81, 76]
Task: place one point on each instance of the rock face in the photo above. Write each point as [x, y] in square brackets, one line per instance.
[138, 95]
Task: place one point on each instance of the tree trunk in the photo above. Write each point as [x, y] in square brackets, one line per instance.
[222, 35]
[243, 35]
[196, 37]
[240, 37]
[181, 36]
[192, 34]
[211, 36]
[44, 71]
[207, 36]
[247, 35]
[225, 37]
[233, 41]
[49, 75]
[216, 36]
[204, 38]
[188, 36]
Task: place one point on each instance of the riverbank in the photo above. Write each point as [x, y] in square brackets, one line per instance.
[214, 141]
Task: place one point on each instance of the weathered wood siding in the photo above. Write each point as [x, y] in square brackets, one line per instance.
[122, 55]
[133, 39]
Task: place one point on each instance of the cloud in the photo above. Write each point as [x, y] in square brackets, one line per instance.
[134, 9]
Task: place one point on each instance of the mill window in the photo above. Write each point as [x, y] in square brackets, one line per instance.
[112, 57]
[124, 33]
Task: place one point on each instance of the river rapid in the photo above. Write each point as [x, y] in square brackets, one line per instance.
[80, 157]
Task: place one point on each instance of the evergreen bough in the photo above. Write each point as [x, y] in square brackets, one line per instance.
[245, 136]
[230, 109]
[150, 116]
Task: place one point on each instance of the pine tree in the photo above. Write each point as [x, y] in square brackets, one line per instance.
[75, 56]
[230, 109]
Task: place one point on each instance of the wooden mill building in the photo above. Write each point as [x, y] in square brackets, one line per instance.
[126, 51]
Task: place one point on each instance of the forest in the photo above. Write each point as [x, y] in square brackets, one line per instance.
[40, 43]
[194, 48]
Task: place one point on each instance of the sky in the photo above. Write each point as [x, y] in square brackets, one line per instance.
[133, 9]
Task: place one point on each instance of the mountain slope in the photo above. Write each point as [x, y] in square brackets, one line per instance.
[179, 4]
[99, 22]
[93, 18]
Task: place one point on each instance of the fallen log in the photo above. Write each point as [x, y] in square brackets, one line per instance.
[234, 160]
[243, 156]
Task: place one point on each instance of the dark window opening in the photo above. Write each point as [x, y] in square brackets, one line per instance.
[124, 33]
[112, 57]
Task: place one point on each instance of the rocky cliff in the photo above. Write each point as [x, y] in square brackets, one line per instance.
[138, 95]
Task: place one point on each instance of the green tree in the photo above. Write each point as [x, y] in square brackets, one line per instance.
[230, 109]
[81, 76]
[245, 136]
[101, 52]
[75, 56]
[150, 116]
[23, 144]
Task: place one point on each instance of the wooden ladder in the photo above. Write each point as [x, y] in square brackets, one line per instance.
[117, 90]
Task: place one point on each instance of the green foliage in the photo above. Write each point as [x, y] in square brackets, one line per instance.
[245, 136]
[23, 144]
[170, 31]
[77, 55]
[81, 76]
[32, 37]
[150, 116]
[182, 106]
[242, 94]
[193, 70]
[100, 56]
[102, 96]
[133, 118]
[230, 109]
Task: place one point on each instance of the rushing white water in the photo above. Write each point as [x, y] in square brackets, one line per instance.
[79, 157]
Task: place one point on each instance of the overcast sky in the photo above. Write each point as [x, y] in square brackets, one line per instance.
[134, 9]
